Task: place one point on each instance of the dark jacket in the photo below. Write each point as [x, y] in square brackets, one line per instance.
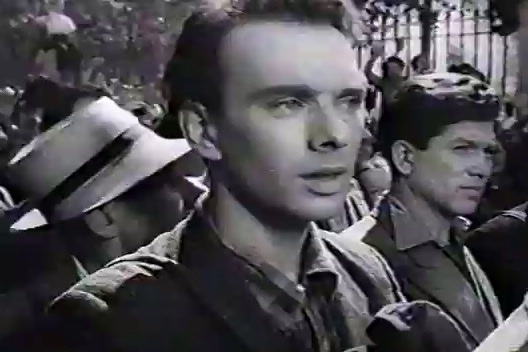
[177, 294]
[425, 273]
[35, 267]
[500, 246]
[180, 294]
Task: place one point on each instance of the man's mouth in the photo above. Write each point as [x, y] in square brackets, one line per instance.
[473, 191]
[326, 181]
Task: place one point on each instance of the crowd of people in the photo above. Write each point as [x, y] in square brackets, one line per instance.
[263, 193]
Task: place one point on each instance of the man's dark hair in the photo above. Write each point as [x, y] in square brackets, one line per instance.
[425, 105]
[467, 69]
[416, 61]
[389, 60]
[193, 73]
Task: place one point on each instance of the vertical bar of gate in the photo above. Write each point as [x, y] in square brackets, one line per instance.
[396, 29]
[490, 49]
[462, 30]
[360, 55]
[396, 23]
[434, 34]
[476, 19]
[448, 35]
[506, 46]
[408, 18]
[383, 33]
[490, 55]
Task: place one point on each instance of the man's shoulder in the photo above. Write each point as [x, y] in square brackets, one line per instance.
[365, 264]
[357, 251]
[92, 294]
[507, 222]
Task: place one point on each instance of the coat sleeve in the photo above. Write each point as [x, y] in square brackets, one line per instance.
[82, 319]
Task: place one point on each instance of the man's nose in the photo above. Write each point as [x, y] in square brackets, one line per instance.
[328, 130]
[482, 166]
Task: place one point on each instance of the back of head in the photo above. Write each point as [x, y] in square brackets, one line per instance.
[391, 59]
[427, 104]
[193, 73]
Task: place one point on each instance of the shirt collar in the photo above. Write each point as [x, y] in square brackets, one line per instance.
[318, 270]
[415, 226]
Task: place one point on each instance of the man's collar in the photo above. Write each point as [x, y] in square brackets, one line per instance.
[415, 226]
[318, 270]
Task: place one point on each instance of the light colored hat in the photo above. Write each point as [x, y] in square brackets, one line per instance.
[89, 159]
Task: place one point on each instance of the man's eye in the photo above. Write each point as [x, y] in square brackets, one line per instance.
[350, 102]
[463, 147]
[286, 104]
[492, 151]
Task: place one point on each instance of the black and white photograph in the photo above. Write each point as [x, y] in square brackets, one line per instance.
[263, 175]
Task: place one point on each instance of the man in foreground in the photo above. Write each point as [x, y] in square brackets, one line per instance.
[441, 166]
[247, 271]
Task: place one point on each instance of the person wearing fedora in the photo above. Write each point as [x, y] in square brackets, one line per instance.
[106, 186]
[247, 270]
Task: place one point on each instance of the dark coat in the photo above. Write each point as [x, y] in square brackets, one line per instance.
[35, 267]
[425, 274]
[149, 301]
[179, 295]
[501, 248]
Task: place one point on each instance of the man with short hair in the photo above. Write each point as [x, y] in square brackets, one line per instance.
[439, 136]
[247, 270]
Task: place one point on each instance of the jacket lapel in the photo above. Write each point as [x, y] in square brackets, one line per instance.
[485, 290]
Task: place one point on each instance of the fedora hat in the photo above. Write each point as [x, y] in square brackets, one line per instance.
[89, 159]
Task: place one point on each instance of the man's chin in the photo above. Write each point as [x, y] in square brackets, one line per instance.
[322, 209]
[465, 208]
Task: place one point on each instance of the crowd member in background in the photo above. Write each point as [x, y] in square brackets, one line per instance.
[375, 178]
[44, 103]
[420, 65]
[440, 167]
[57, 55]
[106, 186]
[169, 127]
[467, 69]
[248, 271]
[392, 72]
[501, 248]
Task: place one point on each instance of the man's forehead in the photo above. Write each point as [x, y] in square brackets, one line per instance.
[470, 131]
[280, 53]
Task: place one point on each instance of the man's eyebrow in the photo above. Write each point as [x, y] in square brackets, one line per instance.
[348, 92]
[474, 142]
[297, 90]
[302, 90]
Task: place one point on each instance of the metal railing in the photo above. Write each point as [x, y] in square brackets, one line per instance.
[467, 30]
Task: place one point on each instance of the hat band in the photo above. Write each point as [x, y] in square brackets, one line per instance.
[89, 169]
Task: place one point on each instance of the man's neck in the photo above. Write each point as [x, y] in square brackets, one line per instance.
[278, 245]
[425, 214]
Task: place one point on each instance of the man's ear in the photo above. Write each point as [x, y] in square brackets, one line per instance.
[403, 154]
[197, 128]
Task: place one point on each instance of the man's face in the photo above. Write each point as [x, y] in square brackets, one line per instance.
[293, 118]
[452, 172]
[394, 69]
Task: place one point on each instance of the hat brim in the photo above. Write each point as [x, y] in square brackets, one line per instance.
[148, 155]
